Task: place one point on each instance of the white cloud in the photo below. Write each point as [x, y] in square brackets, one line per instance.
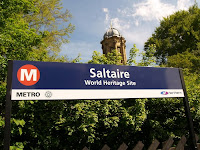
[107, 19]
[120, 24]
[125, 11]
[105, 10]
[183, 4]
[156, 10]
[136, 22]
[153, 10]
[147, 10]
[137, 37]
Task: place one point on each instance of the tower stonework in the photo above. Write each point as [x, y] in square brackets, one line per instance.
[113, 40]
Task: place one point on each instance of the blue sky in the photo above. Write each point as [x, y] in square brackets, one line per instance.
[135, 19]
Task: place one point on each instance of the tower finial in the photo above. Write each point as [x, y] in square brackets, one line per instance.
[111, 24]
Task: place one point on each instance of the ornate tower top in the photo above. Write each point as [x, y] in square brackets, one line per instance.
[112, 39]
[112, 32]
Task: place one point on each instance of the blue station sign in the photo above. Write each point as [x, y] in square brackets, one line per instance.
[58, 81]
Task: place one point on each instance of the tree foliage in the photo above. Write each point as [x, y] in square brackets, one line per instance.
[166, 116]
[16, 38]
[16, 42]
[133, 55]
[187, 60]
[51, 19]
[147, 57]
[23, 37]
[177, 33]
[112, 57]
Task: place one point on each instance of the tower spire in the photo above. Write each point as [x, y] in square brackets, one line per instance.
[111, 24]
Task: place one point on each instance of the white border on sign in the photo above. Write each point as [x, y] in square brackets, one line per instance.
[69, 94]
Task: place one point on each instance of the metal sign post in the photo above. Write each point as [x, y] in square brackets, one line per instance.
[7, 129]
[192, 139]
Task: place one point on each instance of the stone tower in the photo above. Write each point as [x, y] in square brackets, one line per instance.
[112, 39]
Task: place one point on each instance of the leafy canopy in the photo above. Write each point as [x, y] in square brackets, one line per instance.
[177, 33]
[29, 30]
[51, 19]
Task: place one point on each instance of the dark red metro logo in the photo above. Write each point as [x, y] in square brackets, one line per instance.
[28, 75]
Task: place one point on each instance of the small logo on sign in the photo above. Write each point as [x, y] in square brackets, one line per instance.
[28, 75]
[48, 94]
[164, 93]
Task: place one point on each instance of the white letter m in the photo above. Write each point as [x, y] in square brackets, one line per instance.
[33, 73]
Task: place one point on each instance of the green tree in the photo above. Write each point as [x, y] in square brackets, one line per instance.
[51, 19]
[177, 45]
[17, 41]
[177, 33]
[111, 58]
[148, 58]
[29, 30]
[166, 116]
[187, 60]
[133, 55]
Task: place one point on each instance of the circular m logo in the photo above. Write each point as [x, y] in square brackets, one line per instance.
[28, 75]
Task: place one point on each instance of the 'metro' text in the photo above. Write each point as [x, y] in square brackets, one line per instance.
[27, 94]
